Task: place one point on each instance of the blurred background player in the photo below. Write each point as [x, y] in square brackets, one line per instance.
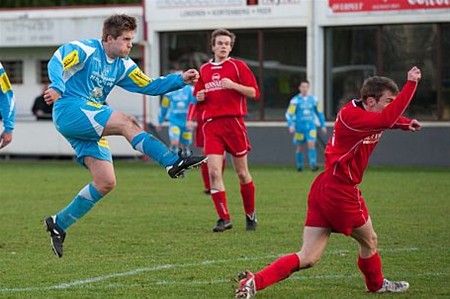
[175, 105]
[7, 108]
[301, 119]
[224, 85]
[335, 203]
[83, 73]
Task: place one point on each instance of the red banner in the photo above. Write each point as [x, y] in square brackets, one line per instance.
[339, 6]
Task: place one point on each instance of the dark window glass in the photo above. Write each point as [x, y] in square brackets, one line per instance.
[350, 59]
[43, 72]
[14, 70]
[282, 66]
[445, 81]
[355, 53]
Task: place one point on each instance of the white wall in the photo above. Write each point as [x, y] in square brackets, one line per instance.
[34, 35]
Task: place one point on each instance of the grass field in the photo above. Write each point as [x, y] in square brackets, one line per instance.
[152, 238]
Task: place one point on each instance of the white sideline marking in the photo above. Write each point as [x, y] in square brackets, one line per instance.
[202, 263]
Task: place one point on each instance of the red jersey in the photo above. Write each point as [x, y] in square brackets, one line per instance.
[357, 131]
[221, 102]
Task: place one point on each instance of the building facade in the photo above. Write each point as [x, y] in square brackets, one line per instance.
[335, 44]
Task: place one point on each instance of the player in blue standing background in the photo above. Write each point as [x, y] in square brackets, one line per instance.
[174, 107]
[82, 74]
[301, 119]
[7, 108]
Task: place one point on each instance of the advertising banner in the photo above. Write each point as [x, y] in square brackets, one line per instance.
[345, 6]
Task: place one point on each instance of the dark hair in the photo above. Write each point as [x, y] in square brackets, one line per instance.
[222, 31]
[376, 85]
[304, 81]
[116, 24]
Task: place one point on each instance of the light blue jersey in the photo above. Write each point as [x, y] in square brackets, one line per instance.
[84, 76]
[301, 114]
[7, 102]
[175, 106]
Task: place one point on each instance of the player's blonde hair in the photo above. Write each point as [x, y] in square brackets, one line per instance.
[222, 31]
[116, 24]
[375, 86]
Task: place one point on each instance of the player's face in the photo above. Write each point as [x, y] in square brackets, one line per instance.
[121, 46]
[222, 47]
[384, 101]
[304, 88]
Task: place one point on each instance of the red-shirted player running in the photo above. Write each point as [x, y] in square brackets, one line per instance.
[223, 88]
[335, 203]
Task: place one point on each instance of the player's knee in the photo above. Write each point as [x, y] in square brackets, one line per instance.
[105, 185]
[215, 174]
[243, 175]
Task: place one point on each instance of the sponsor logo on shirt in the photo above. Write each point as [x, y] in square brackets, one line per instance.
[374, 138]
[214, 84]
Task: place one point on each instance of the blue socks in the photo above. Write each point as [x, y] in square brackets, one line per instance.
[155, 149]
[80, 205]
[299, 159]
[312, 154]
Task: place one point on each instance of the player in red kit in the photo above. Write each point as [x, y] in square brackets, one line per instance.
[224, 85]
[335, 203]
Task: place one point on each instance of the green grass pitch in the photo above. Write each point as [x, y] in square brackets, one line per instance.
[152, 236]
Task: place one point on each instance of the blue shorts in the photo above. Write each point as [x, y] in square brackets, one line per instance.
[82, 123]
[181, 134]
[303, 135]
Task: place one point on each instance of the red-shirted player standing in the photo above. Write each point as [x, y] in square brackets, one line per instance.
[335, 203]
[223, 88]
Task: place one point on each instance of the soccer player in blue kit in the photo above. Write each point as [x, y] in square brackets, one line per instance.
[174, 106]
[7, 108]
[300, 117]
[82, 74]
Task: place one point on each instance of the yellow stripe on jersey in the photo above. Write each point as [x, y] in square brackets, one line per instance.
[71, 59]
[4, 83]
[138, 77]
[96, 105]
[291, 109]
[313, 133]
[103, 142]
[165, 102]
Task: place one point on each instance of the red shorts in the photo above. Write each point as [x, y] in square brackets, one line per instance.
[226, 134]
[336, 205]
[199, 140]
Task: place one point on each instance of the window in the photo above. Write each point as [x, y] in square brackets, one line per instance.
[278, 69]
[14, 69]
[355, 53]
[43, 72]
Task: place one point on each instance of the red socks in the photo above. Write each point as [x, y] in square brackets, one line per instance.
[371, 269]
[220, 202]
[205, 176]
[281, 269]
[248, 197]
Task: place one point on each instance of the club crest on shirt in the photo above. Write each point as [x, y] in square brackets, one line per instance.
[214, 84]
[374, 138]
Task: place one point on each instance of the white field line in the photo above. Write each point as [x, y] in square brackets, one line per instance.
[173, 266]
